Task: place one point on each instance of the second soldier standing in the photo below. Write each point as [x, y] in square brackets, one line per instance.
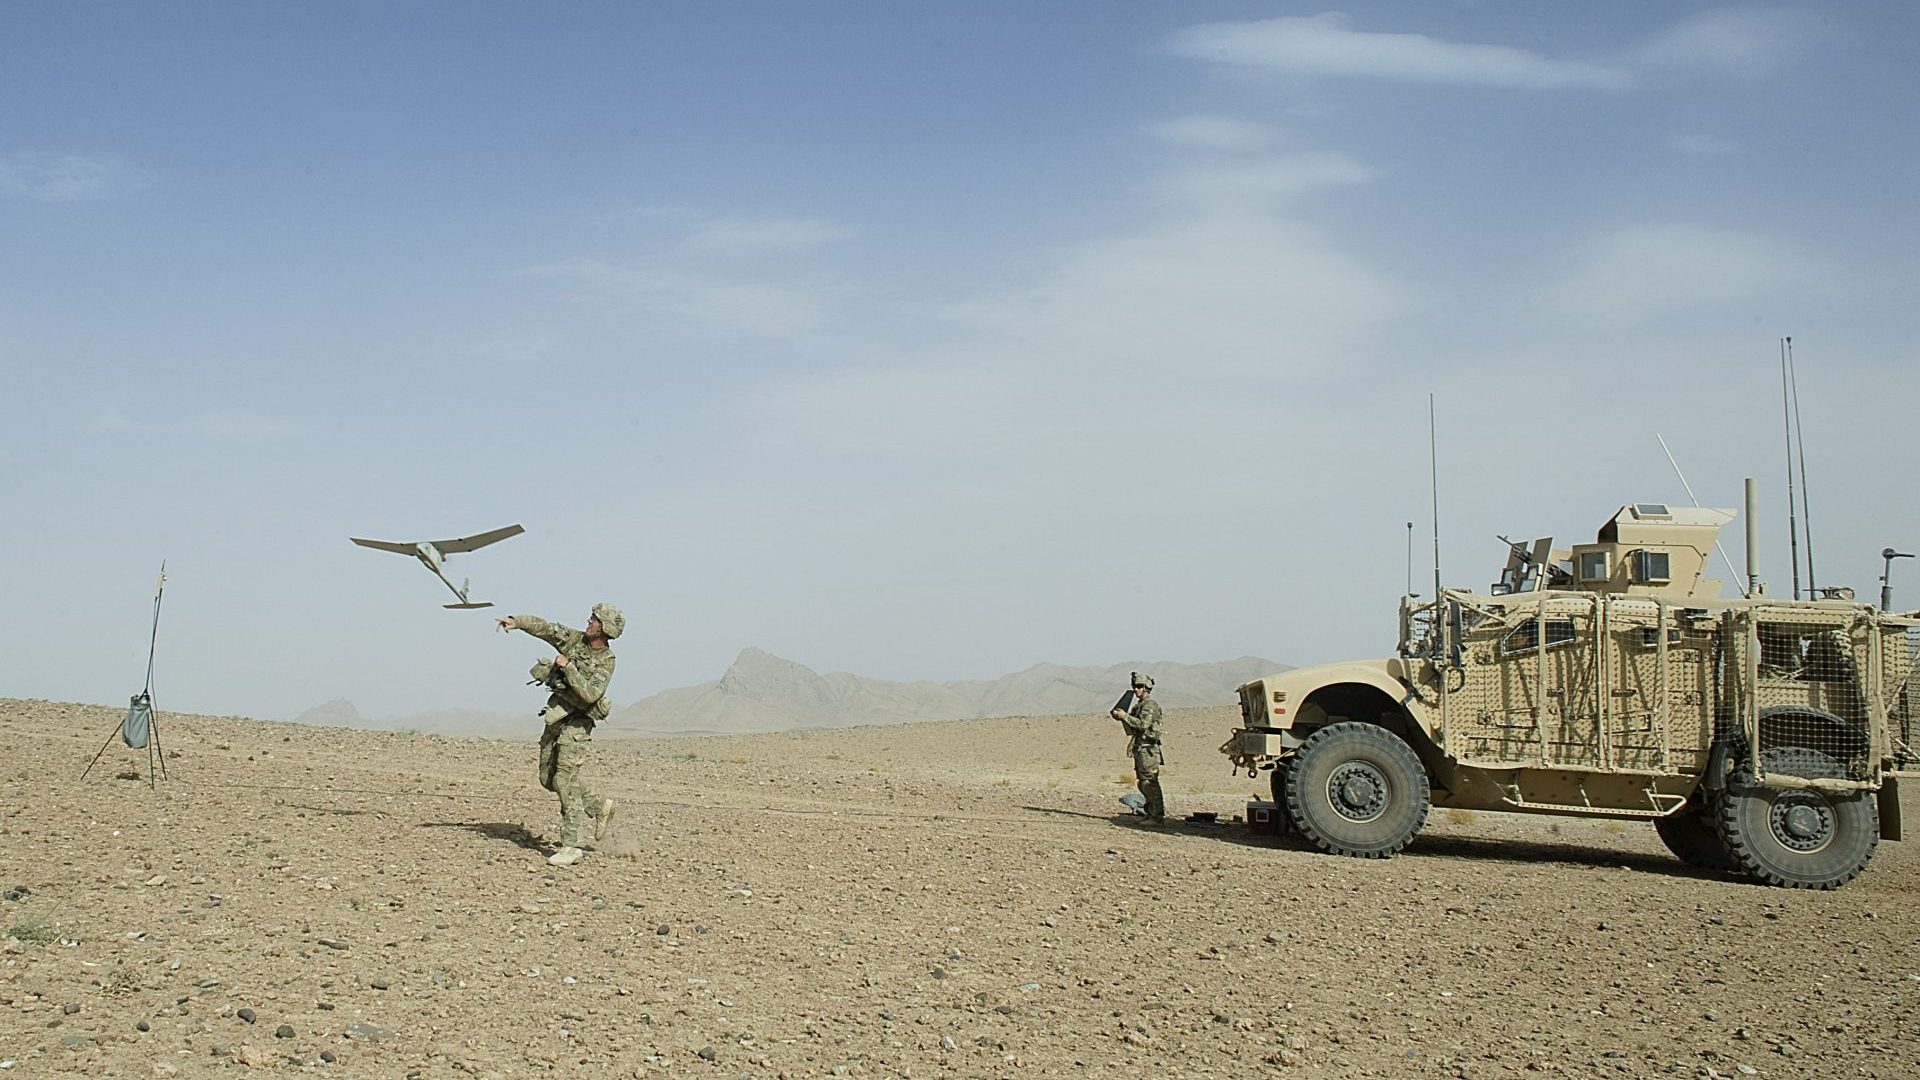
[578, 677]
[1143, 740]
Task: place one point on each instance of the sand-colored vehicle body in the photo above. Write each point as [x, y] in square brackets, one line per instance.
[1613, 683]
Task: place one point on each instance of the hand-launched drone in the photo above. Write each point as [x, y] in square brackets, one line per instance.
[432, 555]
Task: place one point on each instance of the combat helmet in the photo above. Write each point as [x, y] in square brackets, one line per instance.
[611, 621]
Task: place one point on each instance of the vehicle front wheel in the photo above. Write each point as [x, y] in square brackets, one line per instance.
[1799, 838]
[1356, 789]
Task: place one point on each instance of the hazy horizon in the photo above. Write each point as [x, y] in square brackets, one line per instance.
[920, 343]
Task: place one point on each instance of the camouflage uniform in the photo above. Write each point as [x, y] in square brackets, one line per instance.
[1143, 730]
[578, 702]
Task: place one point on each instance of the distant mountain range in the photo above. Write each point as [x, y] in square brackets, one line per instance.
[763, 692]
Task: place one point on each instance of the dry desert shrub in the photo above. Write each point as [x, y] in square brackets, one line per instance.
[36, 926]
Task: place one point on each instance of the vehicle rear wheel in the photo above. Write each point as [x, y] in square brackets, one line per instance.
[1356, 789]
[1798, 838]
[1693, 835]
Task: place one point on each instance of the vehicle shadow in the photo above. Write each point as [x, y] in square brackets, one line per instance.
[1499, 850]
[512, 832]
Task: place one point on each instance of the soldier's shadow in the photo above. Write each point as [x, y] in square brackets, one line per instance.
[512, 832]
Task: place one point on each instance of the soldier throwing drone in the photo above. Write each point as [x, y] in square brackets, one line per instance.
[578, 676]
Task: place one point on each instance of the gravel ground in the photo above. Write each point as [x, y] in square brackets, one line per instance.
[951, 899]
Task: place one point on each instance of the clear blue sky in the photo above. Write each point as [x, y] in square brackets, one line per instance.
[916, 341]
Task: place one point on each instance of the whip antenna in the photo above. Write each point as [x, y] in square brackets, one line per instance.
[1793, 518]
[1433, 469]
[1806, 493]
[1696, 502]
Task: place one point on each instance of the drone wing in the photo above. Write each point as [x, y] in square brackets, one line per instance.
[471, 543]
[385, 545]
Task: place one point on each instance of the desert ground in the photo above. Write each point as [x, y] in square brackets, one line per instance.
[961, 899]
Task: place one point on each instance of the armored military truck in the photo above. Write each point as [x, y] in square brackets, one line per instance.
[1762, 736]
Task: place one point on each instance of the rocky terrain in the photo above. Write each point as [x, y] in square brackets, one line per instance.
[945, 899]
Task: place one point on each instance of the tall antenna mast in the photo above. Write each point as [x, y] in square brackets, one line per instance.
[1409, 558]
[1793, 519]
[1806, 493]
[1433, 468]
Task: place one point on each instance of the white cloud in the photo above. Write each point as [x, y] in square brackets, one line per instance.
[1740, 43]
[1726, 42]
[730, 304]
[1207, 132]
[1646, 271]
[1327, 45]
[747, 235]
[1269, 180]
[1224, 285]
[66, 177]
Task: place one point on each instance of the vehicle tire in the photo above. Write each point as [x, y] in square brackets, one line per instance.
[1693, 833]
[1799, 839]
[1358, 790]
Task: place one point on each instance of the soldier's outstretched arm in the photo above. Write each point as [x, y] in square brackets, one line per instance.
[552, 633]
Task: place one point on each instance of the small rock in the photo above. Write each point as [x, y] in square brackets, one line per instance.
[1604, 926]
[664, 930]
[165, 1068]
[284, 1031]
[1716, 920]
[331, 943]
[246, 1014]
[378, 984]
[157, 879]
[72, 1007]
[143, 1026]
[939, 973]
[368, 1033]
[947, 1043]
[327, 1056]
[1747, 1070]
[708, 1053]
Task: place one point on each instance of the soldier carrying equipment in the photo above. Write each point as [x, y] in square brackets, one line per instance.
[578, 676]
[1141, 716]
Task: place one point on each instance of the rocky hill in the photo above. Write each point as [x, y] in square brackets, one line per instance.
[763, 692]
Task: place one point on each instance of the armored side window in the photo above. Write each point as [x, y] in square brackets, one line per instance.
[1652, 567]
[1593, 566]
[1525, 637]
